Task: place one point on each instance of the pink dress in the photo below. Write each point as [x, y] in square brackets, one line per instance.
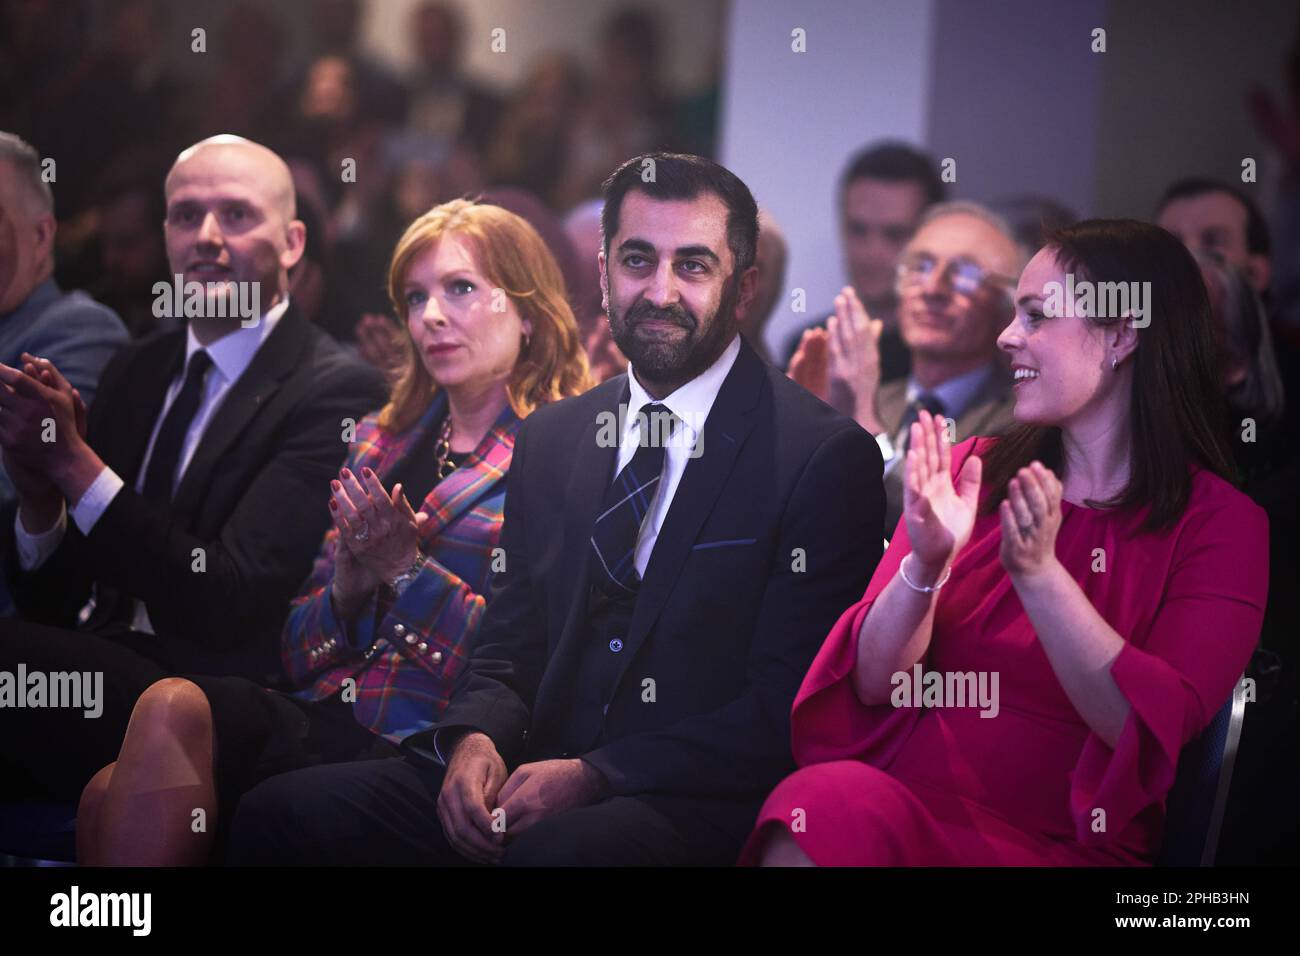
[943, 786]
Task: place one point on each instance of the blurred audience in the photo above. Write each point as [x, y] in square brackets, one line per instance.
[1216, 219]
[171, 523]
[954, 282]
[1033, 217]
[583, 228]
[883, 192]
[771, 257]
[37, 318]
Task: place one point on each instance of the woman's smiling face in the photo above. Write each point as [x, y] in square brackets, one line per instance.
[1060, 363]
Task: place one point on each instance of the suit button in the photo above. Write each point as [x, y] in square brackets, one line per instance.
[399, 629]
[436, 657]
[422, 647]
[616, 645]
[411, 638]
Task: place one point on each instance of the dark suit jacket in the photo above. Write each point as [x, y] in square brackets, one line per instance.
[773, 531]
[989, 413]
[254, 498]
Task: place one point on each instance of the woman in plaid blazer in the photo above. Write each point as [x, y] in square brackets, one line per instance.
[384, 624]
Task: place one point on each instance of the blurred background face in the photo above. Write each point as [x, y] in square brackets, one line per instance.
[879, 217]
[225, 221]
[435, 36]
[936, 316]
[329, 92]
[24, 250]
[1212, 223]
[1060, 364]
[671, 296]
[448, 301]
[769, 258]
[131, 251]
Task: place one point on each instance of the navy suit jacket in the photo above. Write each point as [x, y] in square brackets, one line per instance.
[773, 531]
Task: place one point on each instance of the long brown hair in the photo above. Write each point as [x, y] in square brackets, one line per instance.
[1177, 409]
[512, 256]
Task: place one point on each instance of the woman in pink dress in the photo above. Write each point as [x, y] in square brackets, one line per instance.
[1060, 610]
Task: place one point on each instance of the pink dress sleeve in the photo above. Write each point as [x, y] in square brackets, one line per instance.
[1179, 676]
[828, 721]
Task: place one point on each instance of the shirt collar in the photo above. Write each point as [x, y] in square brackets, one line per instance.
[956, 393]
[690, 401]
[233, 352]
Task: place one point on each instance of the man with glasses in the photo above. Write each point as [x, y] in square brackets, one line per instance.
[884, 190]
[954, 284]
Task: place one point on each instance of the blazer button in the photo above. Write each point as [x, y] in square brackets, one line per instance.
[399, 629]
[616, 645]
[422, 647]
[411, 638]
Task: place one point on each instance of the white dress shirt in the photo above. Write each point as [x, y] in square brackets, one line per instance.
[690, 403]
[231, 355]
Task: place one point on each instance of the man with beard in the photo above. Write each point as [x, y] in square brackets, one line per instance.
[665, 583]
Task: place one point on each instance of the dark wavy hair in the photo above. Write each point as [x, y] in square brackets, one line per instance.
[1177, 411]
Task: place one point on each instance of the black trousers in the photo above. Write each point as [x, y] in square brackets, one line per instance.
[384, 812]
[53, 752]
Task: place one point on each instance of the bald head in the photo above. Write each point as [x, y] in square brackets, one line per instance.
[242, 159]
[230, 219]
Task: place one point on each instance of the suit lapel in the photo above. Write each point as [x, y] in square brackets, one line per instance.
[451, 498]
[592, 473]
[991, 408]
[139, 403]
[276, 360]
[892, 402]
[728, 425]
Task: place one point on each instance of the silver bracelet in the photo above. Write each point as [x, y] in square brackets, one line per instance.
[902, 570]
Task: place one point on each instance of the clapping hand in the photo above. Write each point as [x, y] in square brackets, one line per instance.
[853, 360]
[809, 365]
[378, 536]
[1031, 517]
[939, 514]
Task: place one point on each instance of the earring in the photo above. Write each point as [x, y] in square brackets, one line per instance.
[527, 338]
[1114, 363]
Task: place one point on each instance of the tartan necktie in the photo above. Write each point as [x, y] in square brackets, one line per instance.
[927, 400]
[624, 507]
[167, 446]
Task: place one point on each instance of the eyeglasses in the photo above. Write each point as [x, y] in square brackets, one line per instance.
[965, 275]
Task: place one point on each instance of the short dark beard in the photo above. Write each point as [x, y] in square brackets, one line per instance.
[668, 365]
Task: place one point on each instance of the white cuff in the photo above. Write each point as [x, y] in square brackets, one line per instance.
[96, 499]
[35, 549]
[886, 446]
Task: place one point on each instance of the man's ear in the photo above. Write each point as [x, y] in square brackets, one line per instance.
[45, 227]
[1259, 270]
[745, 294]
[296, 244]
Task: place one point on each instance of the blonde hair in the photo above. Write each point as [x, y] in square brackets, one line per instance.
[513, 257]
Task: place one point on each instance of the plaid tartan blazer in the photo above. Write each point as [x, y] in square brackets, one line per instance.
[406, 663]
